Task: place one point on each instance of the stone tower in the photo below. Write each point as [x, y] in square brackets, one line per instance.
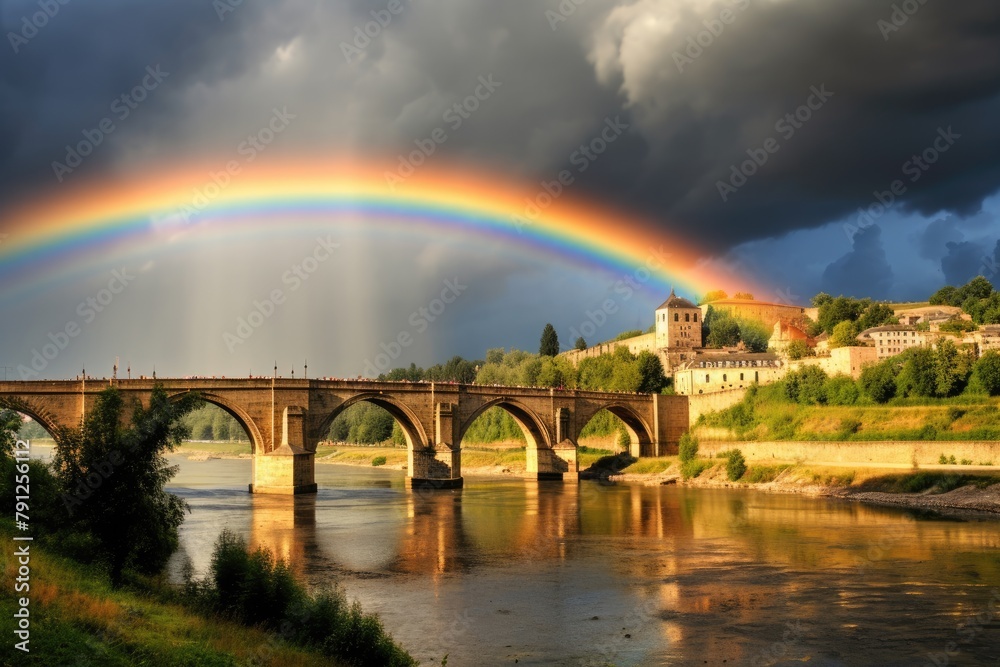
[678, 330]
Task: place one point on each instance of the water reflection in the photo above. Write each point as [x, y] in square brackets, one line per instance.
[590, 574]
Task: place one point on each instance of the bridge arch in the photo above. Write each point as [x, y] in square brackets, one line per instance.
[640, 433]
[236, 412]
[413, 430]
[531, 425]
[44, 418]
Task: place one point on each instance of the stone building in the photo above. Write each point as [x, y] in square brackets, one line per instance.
[678, 330]
[711, 373]
[893, 339]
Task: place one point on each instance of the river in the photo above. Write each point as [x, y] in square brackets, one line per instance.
[509, 570]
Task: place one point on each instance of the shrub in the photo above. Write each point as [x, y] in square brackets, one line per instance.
[687, 448]
[943, 460]
[736, 465]
[378, 461]
[848, 427]
[966, 462]
[257, 589]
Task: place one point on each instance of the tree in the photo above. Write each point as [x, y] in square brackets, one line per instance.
[651, 373]
[10, 424]
[987, 372]
[918, 375]
[946, 296]
[806, 385]
[835, 310]
[845, 334]
[876, 315]
[580, 344]
[746, 296]
[549, 346]
[952, 369]
[798, 349]
[821, 300]
[754, 335]
[687, 447]
[723, 331]
[714, 295]
[113, 477]
[495, 355]
[878, 381]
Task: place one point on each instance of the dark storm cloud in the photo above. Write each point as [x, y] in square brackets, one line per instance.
[941, 69]
[64, 78]
[864, 271]
[934, 241]
[962, 262]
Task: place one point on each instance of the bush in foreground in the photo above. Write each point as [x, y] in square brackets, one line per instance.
[687, 447]
[736, 465]
[256, 589]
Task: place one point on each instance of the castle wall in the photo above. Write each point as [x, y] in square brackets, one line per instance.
[761, 311]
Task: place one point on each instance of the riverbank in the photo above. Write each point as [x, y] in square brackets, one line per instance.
[947, 487]
[78, 618]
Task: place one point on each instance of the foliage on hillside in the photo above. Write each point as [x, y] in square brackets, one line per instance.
[922, 394]
[860, 314]
[720, 329]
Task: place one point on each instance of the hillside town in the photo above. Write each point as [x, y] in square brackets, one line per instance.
[678, 338]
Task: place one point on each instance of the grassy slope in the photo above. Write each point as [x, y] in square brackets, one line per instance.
[954, 419]
[78, 619]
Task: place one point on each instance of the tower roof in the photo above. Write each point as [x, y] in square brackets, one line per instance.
[674, 301]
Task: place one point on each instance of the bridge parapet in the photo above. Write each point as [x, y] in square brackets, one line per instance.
[286, 418]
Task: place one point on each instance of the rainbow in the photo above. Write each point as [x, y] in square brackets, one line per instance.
[58, 234]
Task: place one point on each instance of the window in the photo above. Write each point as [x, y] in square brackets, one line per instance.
[677, 317]
[696, 317]
[741, 377]
[687, 317]
[723, 377]
[706, 378]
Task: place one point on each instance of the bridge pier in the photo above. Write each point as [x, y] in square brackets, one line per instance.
[434, 468]
[289, 469]
[557, 463]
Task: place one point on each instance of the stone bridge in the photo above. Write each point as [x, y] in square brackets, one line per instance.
[287, 418]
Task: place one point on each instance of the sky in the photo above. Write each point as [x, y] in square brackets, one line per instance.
[844, 146]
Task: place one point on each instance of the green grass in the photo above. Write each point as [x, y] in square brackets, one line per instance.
[964, 418]
[78, 618]
[694, 467]
[651, 466]
[760, 474]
